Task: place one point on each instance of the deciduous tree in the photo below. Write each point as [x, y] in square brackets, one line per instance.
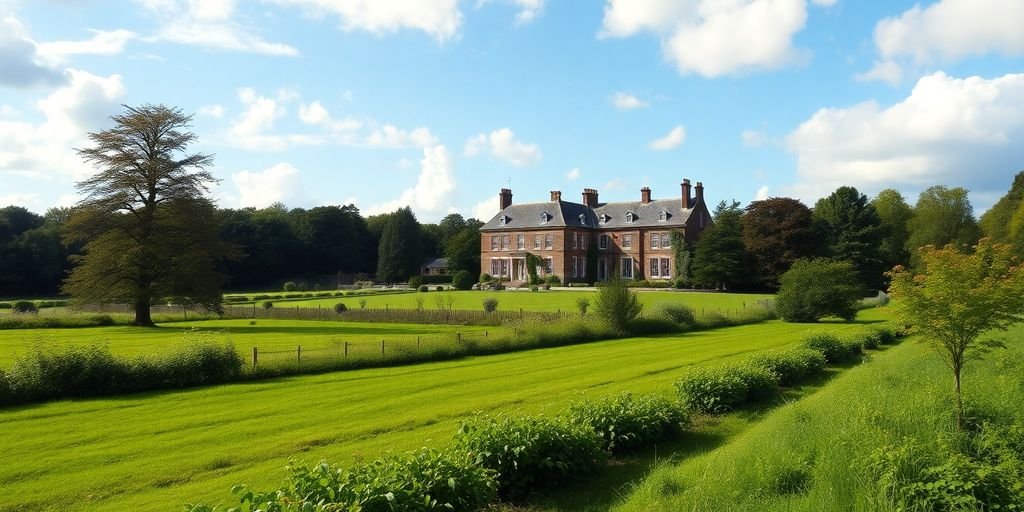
[942, 216]
[777, 232]
[895, 214]
[956, 298]
[816, 288]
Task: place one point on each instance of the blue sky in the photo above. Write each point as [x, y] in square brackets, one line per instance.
[439, 103]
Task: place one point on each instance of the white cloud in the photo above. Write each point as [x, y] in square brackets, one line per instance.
[714, 37]
[762, 193]
[44, 150]
[948, 130]
[249, 130]
[623, 101]
[280, 182]
[529, 10]
[673, 139]
[952, 29]
[208, 23]
[212, 111]
[32, 202]
[824, 3]
[502, 144]
[434, 188]
[573, 174]
[441, 19]
[20, 60]
[887, 71]
[388, 136]
[753, 138]
[485, 210]
[103, 42]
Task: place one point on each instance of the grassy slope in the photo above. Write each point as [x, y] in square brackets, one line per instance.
[266, 334]
[825, 439]
[156, 451]
[552, 300]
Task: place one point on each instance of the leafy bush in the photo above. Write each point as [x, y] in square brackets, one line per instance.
[792, 365]
[25, 306]
[423, 480]
[462, 280]
[553, 280]
[529, 453]
[415, 282]
[720, 389]
[439, 289]
[490, 304]
[340, 307]
[835, 349]
[679, 313]
[627, 422]
[485, 278]
[423, 288]
[813, 289]
[362, 303]
[582, 303]
[5, 305]
[616, 304]
[267, 304]
[885, 334]
[290, 286]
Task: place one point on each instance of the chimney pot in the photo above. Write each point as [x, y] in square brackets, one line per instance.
[590, 197]
[556, 195]
[700, 192]
[686, 194]
[645, 195]
[505, 198]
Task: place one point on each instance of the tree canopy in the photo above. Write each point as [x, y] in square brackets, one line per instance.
[148, 230]
[400, 252]
[816, 288]
[894, 213]
[942, 216]
[720, 259]
[777, 232]
[851, 231]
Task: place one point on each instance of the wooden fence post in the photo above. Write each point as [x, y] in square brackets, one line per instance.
[382, 348]
[255, 357]
[417, 342]
[298, 354]
[458, 337]
[346, 349]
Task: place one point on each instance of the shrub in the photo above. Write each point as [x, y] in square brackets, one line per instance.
[362, 303]
[462, 280]
[813, 289]
[534, 288]
[490, 304]
[627, 422]
[834, 348]
[679, 313]
[885, 334]
[267, 304]
[486, 278]
[422, 288]
[439, 289]
[529, 453]
[290, 286]
[553, 280]
[582, 303]
[616, 304]
[720, 389]
[415, 282]
[793, 365]
[340, 307]
[5, 305]
[303, 286]
[25, 306]
[679, 283]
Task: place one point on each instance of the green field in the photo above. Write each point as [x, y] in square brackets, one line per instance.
[157, 451]
[552, 300]
[268, 335]
[813, 455]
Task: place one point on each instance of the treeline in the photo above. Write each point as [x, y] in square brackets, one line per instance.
[275, 244]
[751, 247]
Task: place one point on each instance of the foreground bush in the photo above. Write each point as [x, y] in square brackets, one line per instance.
[793, 365]
[832, 346]
[813, 289]
[723, 388]
[424, 480]
[529, 453]
[25, 306]
[47, 373]
[627, 422]
[463, 280]
[681, 314]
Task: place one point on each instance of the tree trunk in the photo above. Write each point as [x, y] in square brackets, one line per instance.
[959, 401]
[142, 315]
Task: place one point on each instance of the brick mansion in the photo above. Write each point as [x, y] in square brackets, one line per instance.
[633, 239]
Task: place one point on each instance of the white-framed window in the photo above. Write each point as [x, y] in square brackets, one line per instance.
[583, 267]
[574, 266]
[583, 219]
[505, 240]
[495, 267]
[665, 273]
[629, 217]
[627, 241]
[602, 242]
[536, 242]
[549, 263]
[549, 241]
[575, 241]
[520, 242]
[666, 241]
[494, 243]
[544, 217]
[605, 218]
[654, 268]
[627, 268]
[503, 220]
[663, 215]
[583, 241]
[655, 240]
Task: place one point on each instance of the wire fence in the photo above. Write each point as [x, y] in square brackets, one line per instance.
[362, 351]
[393, 315]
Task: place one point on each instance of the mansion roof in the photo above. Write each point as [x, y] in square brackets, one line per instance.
[562, 214]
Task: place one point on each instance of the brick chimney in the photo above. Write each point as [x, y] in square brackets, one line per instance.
[556, 195]
[590, 197]
[506, 198]
[700, 192]
[645, 195]
[686, 194]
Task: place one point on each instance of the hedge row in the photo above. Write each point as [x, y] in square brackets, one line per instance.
[723, 388]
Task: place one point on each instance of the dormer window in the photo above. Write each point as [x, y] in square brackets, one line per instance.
[503, 220]
[630, 216]
[605, 218]
[583, 218]
[663, 215]
[544, 217]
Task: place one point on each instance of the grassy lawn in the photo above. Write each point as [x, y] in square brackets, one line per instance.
[157, 451]
[552, 300]
[268, 335]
